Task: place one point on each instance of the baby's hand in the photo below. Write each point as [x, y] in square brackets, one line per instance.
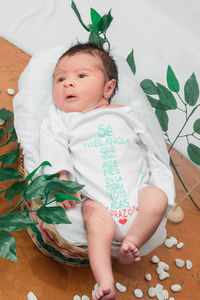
[67, 204]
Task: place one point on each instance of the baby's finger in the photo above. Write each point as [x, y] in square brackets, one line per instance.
[67, 204]
[60, 204]
[73, 202]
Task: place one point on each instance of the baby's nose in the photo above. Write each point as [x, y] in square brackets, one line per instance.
[69, 83]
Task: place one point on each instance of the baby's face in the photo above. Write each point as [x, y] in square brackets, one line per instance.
[80, 83]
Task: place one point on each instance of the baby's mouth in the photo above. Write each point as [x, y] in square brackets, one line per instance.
[70, 97]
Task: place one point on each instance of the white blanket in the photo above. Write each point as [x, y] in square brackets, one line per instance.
[31, 105]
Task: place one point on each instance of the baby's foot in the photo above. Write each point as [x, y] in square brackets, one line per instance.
[128, 252]
[105, 292]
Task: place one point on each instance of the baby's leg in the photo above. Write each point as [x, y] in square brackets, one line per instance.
[100, 228]
[152, 204]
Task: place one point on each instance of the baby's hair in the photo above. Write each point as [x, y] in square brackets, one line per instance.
[105, 56]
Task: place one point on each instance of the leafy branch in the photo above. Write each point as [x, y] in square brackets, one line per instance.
[169, 98]
[42, 186]
[98, 26]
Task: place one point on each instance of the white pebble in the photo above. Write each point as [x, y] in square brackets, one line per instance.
[159, 296]
[163, 275]
[174, 240]
[188, 264]
[138, 293]
[31, 296]
[84, 297]
[120, 287]
[11, 91]
[155, 259]
[2, 122]
[179, 263]
[179, 245]
[158, 287]
[76, 297]
[165, 294]
[159, 270]
[148, 277]
[151, 292]
[169, 243]
[171, 298]
[176, 288]
[163, 265]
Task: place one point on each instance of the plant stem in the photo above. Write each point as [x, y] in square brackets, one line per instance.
[177, 136]
[180, 98]
[181, 109]
[22, 211]
[183, 126]
[180, 179]
[107, 41]
[168, 138]
[18, 204]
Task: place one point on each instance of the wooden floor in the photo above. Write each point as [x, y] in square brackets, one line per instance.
[51, 280]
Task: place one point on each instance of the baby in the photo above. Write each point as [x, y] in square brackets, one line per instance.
[98, 144]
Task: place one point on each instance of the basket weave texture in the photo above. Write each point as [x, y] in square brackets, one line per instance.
[46, 237]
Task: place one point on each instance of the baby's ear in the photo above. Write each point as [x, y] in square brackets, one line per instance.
[109, 88]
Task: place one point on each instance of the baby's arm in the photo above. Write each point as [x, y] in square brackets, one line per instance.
[67, 204]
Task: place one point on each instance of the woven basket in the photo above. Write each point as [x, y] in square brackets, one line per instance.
[46, 237]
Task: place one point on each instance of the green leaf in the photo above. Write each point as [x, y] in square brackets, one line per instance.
[191, 90]
[53, 215]
[131, 62]
[105, 22]
[166, 97]
[194, 153]
[44, 163]
[196, 126]
[6, 114]
[149, 87]
[163, 119]
[7, 246]
[7, 174]
[13, 137]
[10, 158]
[15, 222]
[95, 16]
[172, 81]
[73, 6]
[11, 130]
[93, 28]
[68, 187]
[60, 197]
[37, 188]
[95, 38]
[156, 103]
[14, 190]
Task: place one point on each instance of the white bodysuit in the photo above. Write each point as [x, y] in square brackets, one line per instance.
[103, 149]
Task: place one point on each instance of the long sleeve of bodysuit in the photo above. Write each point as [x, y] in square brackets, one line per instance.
[54, 144]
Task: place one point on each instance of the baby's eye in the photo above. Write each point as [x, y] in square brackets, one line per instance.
[82, 75]
[61, 79]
